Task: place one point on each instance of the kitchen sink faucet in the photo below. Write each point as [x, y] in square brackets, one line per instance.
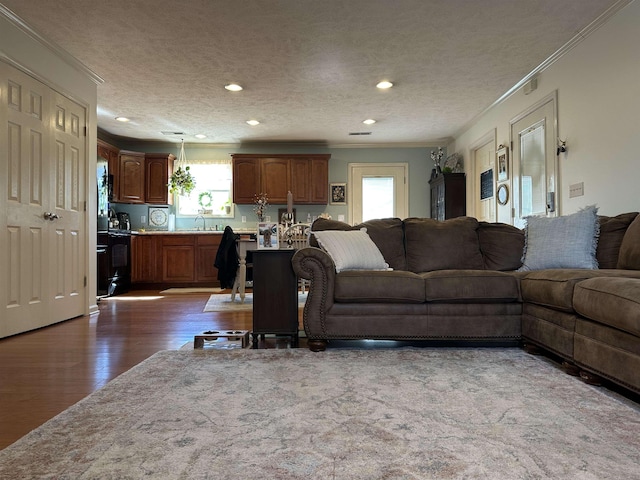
[204, 222]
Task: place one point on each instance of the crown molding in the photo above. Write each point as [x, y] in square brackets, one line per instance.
[51, 46]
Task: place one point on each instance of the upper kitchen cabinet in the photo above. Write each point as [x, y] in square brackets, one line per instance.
[110, 153]
[158, 169]
[305, 176]
[132, 174]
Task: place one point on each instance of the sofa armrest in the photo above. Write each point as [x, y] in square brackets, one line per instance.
[316, 265]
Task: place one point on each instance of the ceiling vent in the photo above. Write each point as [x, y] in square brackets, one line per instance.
[173, 133]
[359, 133]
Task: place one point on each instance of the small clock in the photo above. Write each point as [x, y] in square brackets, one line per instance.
[158, 216]
[503, 194]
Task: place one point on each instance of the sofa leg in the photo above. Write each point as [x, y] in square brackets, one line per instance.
[532, 349]
[571, 368]
[590, 378]
[317, 345]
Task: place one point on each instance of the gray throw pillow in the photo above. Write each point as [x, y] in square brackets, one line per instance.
[569, 241]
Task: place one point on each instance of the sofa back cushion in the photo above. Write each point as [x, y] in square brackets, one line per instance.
[629, 258]
[501, 246]
[439, 245]
[386, 233]
[612, 230]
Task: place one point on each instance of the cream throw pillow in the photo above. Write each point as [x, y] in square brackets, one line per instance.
[351, 250]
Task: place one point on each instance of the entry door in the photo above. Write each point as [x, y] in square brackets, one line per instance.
[534, 139]
[484, 162]
[378, 190]
[42, 224]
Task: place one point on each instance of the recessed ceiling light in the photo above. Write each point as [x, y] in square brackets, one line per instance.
[253, 123]
[369, 121]
[201, 135]
[384, 85]
[233, 87]
[123, 119]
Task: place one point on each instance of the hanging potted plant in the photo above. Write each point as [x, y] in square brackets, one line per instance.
[181, 181]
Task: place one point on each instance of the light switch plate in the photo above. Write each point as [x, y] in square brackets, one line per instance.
[576, 190]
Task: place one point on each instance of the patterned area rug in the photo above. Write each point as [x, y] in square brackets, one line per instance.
[405, 413]
[223, 303]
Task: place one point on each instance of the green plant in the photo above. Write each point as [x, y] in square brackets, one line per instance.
[181, 181]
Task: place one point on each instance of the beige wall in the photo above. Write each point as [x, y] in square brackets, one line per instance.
[598, 114]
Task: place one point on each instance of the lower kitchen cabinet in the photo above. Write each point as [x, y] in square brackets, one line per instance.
[175, 259]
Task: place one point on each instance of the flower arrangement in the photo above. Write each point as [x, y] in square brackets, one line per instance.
[181, 181]
[436, 157]
[260, 208]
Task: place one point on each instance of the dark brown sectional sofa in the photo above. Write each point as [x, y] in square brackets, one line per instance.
[458, 281]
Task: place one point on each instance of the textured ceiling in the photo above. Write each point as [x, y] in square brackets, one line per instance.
[309, 67]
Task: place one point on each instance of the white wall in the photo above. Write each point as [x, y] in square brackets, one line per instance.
[598, 114]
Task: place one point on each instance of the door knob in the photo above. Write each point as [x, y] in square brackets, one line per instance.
[50, 216]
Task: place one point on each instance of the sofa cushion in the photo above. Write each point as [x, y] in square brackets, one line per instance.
[630, 248]
[439, 245]
[612, 231]
[501, 246]
[386, 233]
[395, 286]
[554, 287]
[569, 241]
[612, 301]
[470, 286]
[351, 250]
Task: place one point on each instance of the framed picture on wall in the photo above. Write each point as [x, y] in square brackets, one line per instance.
[268, 235]
[338, 192]
[503, 163]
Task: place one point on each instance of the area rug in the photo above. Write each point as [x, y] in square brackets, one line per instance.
[223, 303]
[405, 413]
[177, 291]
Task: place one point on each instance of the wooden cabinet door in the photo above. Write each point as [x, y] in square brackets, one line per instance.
[301, 179]
[319, 183]
[246, 180]
[146, 259]
[158, 169]
[131, 177]
[206, 249]
[178, 258]
[110, 153]
[275, 179]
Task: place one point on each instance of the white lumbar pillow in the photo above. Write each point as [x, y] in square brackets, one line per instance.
[351, 249]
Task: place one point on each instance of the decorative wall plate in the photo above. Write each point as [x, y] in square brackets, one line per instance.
[158, 216]
[503, 194]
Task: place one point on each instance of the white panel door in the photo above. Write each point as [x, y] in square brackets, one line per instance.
[41, 190]
[484, 162]
[388, 181]
[535, 167]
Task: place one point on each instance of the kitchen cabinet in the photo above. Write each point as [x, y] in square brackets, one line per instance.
[246, 179]
[175, 259]
[131, 173]
[306, 176]
[158, 169]
[178, 258]
[146, 259]
[206, 250]
[448, 196]
[111, 154]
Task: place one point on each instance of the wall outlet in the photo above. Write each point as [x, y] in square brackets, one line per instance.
[576, 190]
[341, 218]
[244, 219]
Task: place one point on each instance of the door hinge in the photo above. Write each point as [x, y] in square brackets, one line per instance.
[85, 280]
[85, 131]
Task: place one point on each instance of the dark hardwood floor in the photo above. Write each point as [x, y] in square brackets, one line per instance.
[45, 371]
